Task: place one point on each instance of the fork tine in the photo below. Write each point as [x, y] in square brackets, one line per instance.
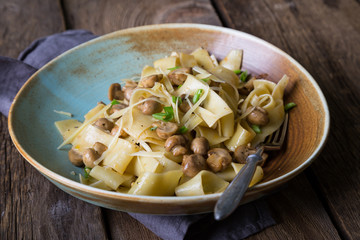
[284, 129]
[277, 138]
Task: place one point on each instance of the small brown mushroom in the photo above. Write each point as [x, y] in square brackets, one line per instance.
[242, 152]
[128, 89]
[115, 92]
[176, 144]
[200, 145]
[104, 124]
[89, 157]
[149, 81]
[247, 87]
[117, 107]
[150, 107]
[193, 164]
[115, 129]
[75, 157]
[99, 148]
[218, 159]
[258, 116]
[165, 129]
[178, 76]
[184, 106]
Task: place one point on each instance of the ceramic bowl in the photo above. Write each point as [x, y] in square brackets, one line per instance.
[75, 81]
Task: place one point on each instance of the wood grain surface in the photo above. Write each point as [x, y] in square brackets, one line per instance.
[324, 36]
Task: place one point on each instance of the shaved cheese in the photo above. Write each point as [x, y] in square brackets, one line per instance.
[64, 113]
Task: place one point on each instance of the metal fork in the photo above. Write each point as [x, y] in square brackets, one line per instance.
[233, 194]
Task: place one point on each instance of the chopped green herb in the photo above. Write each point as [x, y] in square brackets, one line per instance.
[166, 116]
[238, 71]
[179, 86]
[205, 79]
[289, 106]
[114, 102]
[177, 67]
[86, 172]
[153, 128]
[174, 99]
[183, 129]
[197, 95]
[256, 128]
[243, 76]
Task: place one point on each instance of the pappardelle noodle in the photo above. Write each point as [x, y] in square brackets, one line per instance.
[184, 128]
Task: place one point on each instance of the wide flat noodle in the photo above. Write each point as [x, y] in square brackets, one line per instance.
[156, 184]
[204, 182]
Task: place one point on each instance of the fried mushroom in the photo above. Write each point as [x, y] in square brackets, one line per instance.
[104, 124]
[200, 145]
[75, 157]
[178, 76]
[149, 81]
[89, 157]
[193, 164]
[242, 152]
[115, 92]
[258, 116]
[176, 144]
[218, 159]
[165, 129]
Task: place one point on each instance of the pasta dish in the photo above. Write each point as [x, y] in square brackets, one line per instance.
[185, 127]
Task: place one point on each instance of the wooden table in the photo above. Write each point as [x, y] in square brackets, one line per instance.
[324, 36]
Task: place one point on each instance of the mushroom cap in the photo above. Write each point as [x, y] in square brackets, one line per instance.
[200, 145]
[104, 124]
[75, 157]
[150, 107]
[218, 159]
[115, 92]
[174, 140]
[89, 157]
[193, 164]
[258, 116]
[100, 148]
[165, 129]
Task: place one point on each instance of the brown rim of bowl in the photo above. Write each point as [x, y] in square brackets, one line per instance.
[158, 199]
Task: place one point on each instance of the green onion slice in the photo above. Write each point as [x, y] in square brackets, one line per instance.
[174, 99]
[153, 128]
[197, 95]
[183, 129]
[289, 106]
[166, 116]
[86, 172]
[205, 79]
[114, 102]
[177, 67]
[256, 128]
[243, 76]
[238, 71]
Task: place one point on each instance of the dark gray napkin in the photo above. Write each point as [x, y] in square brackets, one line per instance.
[246, 220]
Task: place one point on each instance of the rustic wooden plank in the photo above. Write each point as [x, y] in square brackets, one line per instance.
[122, 226]
[299, 214]
[31, 207]
[111, 15]
[324, 37]
[22, 22]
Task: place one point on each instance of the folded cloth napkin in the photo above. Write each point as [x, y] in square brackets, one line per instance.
[246, 220]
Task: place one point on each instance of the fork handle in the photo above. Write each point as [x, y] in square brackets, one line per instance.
[233, 194]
